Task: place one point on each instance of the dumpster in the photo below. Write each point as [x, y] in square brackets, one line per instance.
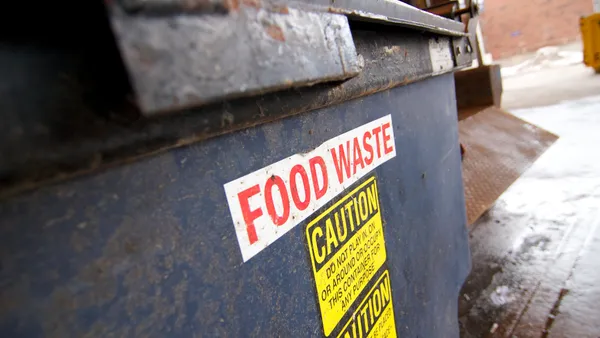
[234, 169]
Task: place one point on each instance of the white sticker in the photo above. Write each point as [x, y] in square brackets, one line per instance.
[441, 57]
[269, 202]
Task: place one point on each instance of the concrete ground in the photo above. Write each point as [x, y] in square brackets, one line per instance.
[536, 252]
[547, 77]
[550, 87]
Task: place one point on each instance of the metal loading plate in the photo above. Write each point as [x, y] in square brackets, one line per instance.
[499, 147]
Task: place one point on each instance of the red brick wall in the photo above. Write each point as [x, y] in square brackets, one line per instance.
[512, 27]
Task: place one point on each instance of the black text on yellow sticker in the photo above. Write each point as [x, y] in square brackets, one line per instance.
[347, 248]
[374, 317]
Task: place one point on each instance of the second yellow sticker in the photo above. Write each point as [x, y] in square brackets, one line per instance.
[347, 248]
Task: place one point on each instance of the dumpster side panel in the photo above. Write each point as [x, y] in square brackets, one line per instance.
[149, 249]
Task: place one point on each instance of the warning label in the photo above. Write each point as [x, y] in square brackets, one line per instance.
[271, 201]
[374, 317]
[347, 248]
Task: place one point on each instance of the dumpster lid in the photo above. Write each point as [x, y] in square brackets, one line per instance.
[187, 53]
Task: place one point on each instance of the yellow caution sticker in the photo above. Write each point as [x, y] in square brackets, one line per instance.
[374, 317]
[347, 248]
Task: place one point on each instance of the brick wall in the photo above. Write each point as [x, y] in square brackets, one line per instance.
[512, 27]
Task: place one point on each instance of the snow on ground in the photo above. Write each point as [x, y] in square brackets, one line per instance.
[544, 58]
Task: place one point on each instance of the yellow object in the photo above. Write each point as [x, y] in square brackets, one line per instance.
[347, 250]
[590, 34]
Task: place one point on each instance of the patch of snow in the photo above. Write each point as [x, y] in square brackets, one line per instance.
[546, 57]
[500, 296]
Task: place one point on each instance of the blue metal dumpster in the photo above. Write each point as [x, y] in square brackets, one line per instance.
[290, 209]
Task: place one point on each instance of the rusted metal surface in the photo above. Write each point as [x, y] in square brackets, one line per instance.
[182, 61]
[77, 94]
[477, 89]
[472, 29]
[452, 9]
[184, 53]
[385, 11]
[445, 9]
[463, 50]
[499, 147]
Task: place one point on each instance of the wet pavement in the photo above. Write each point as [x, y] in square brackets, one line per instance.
[536, 252]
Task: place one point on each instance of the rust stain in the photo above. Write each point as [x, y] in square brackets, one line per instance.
[231, 5]
[280, 9]
[336, 10]
[392, 50]
[252, 3]
[275, 32]
[500, 148]
[195, 4]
